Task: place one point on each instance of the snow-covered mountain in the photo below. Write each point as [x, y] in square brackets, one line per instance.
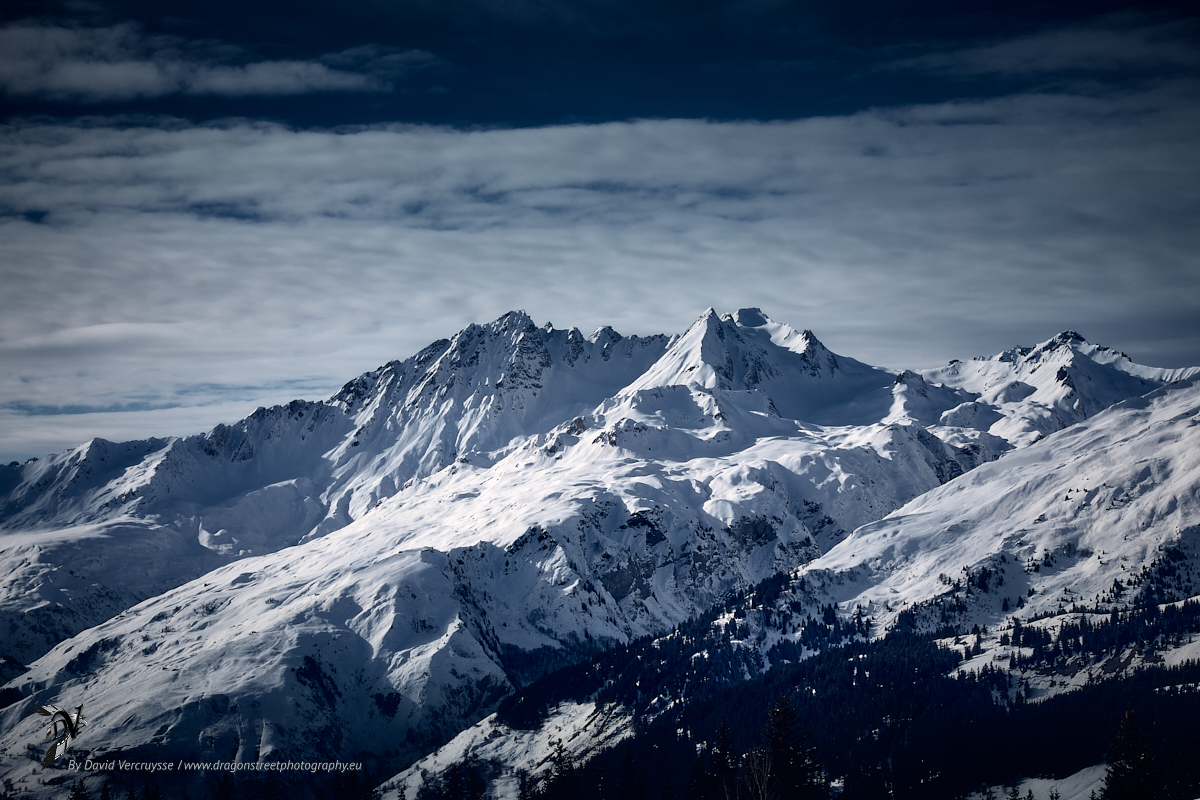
[1056, 524]
[282, 475]
[365, 577]
[1100, 518]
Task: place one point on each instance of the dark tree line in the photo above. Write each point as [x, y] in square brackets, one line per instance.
[780, 764]
[889, 719]
[697, 660]
[1137, 770]
[1150, 629]
[886, 717]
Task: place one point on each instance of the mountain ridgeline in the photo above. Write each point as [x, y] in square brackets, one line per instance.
[370, 577]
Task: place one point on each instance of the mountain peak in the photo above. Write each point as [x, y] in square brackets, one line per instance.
[747, 351]
[811, 342]
[516, 320]
[751, 317]
[1067, 340]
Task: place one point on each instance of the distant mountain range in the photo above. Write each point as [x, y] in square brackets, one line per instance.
[369, 577]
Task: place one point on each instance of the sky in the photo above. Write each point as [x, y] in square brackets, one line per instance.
[206, 207]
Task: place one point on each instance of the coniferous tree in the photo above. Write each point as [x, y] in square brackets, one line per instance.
[79, 791]
[724, 764]
[563, 781]
[795, 772]
[1184, 781]
[630, 785]
[525, 788]
[1132, 772]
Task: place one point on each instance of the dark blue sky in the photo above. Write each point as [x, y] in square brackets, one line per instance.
[210, 206]
[532, 62]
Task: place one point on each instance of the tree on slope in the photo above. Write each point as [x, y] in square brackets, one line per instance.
[1132, 772]
[630, 784]
[724, 764]
[563, 781]
[784, 765]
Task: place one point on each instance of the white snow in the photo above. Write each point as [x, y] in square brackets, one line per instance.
[583, 728]
[1078, 786]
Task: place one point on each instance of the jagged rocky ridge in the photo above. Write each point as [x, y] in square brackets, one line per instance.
[448, 526]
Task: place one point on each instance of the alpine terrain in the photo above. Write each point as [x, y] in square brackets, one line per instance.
[523, 548]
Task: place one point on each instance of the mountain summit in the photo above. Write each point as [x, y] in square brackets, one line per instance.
[746, 351]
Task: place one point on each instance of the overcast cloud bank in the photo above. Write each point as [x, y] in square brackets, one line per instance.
[171, 265]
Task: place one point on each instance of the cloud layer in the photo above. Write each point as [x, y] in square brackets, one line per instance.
[171, 266]
[121, 63]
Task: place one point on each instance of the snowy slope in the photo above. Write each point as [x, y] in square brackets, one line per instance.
[1060, 520]
[583, 728]
[61, 581]
[282, 475]
[1042, 389]
[569, 541]
[1043, 535]
[453, 523]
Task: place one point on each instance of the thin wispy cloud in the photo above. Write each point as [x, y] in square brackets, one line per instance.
[1114, 43]
[122, 62]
